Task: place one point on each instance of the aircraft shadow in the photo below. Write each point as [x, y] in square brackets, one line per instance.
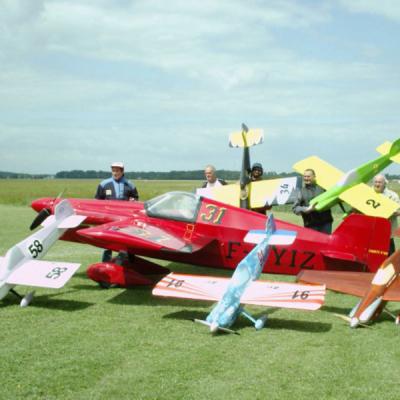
[61, 305]
[273, 323]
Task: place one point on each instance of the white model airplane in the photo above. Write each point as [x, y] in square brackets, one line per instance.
[21, 265]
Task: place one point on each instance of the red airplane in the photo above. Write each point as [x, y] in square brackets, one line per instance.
[188, 228]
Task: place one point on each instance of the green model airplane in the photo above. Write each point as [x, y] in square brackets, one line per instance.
[351, 187]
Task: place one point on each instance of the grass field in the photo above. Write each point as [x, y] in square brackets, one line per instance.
[82, 342]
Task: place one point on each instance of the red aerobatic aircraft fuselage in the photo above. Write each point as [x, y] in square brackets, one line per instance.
[186, 228]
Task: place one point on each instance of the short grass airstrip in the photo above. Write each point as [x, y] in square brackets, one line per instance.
[83, 342]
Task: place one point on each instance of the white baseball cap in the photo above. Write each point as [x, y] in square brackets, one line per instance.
[117, 164]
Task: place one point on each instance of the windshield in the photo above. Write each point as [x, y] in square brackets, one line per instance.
[180, 206]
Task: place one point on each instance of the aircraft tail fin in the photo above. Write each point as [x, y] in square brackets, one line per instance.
[65, 216]
[392, 149]
[367, 239]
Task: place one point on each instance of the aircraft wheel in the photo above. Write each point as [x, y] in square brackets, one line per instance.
[260, 323]
[397, 320]
[104, 285]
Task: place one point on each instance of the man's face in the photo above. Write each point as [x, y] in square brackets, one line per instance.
[117, 172]
[210, 175]
[379, 184]
[308, 178]
[256, 173]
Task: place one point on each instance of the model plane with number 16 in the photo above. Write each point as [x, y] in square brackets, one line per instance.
[244, 287]
[351, 187]
[21, 265]
[188, 228]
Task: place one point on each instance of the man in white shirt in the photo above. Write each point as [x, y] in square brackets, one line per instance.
[211, 175]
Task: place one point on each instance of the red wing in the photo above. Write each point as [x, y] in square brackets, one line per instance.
[143, 236]
[354, 283]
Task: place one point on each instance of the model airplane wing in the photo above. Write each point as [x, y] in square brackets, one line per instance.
[348, 282]
[263, 293]
[272, 192]
[246, 139]
[367, 201]
[46, 274]
[327, 175]
[145, 236]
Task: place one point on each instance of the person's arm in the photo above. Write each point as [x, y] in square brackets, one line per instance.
[298, 208]
[100, 195]
[133, 194]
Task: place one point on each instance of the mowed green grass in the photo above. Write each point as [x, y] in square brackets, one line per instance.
[82, 342]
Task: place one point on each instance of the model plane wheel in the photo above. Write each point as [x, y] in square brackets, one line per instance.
[260, 323]
[397, 320]
[27, 299]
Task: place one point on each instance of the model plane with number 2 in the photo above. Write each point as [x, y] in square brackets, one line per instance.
[187, 228]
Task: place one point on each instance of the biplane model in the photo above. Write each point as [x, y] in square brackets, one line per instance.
[22, 265]
[243, 287]
[375, 290]
[248, 194]
[187, 228]
[351, 187]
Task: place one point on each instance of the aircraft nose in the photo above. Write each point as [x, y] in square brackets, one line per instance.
[40, 204]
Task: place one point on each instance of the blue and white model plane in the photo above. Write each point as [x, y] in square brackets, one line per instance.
[22, 266]
[243, 287]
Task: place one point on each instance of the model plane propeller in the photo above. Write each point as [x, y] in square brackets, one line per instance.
[21, 265]
[243, 287]
[375, 290]
[248, 194]
[351, 187]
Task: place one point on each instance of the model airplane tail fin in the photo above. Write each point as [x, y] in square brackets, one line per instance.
[65, 215]
[367, 239]
[393, 149]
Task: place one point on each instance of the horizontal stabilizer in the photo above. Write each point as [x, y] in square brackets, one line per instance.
[47, 274]
[279, 237]
[71, 222]
[246, 139]
[390, 148]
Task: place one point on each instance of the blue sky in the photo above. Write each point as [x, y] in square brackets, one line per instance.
[160, 85]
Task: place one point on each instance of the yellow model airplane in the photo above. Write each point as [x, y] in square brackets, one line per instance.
[248, 194]
[351, 187]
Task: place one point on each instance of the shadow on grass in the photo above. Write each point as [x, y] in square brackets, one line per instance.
[273, 323]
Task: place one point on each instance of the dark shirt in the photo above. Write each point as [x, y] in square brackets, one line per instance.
[111, 189]
[314, 218]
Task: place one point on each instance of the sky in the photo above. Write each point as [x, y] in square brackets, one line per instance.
[160, 85]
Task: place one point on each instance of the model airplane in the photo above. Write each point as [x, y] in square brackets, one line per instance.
[248, 194]
[244, 287]
[187, 228]
[375, 290]
[351, 187]
[21, 265]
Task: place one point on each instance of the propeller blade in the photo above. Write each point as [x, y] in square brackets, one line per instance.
[43, 214]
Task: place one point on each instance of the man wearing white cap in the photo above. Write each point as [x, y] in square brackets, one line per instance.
[116, 188]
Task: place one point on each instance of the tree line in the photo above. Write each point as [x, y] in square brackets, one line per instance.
[147, 175]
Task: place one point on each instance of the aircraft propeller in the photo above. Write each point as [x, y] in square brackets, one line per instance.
[43, 214]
